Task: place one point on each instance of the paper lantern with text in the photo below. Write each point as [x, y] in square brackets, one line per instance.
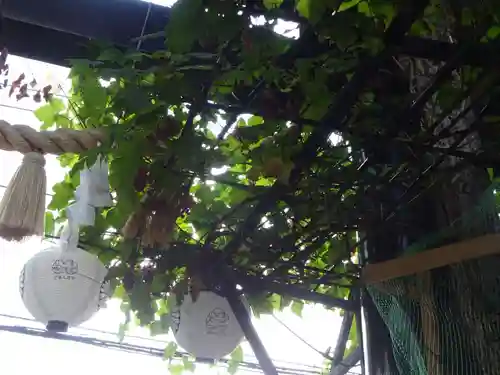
[206, 327]
[63, 288]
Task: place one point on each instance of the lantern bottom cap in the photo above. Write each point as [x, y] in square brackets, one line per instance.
[57, 326]
[210, 361]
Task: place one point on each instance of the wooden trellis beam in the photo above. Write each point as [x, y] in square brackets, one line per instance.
[478, 54]
[431, 259]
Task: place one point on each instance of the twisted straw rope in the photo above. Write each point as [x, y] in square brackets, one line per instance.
[25, 139]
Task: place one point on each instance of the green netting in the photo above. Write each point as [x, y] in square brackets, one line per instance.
[446, 321]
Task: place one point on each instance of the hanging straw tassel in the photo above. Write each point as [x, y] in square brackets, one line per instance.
[22, 208]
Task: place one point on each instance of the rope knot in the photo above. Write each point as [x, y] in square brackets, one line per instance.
[35, 158]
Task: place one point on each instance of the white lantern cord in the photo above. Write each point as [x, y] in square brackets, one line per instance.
[69, 236]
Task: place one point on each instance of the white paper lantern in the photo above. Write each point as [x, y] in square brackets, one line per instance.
[63, 288]
[207, 327]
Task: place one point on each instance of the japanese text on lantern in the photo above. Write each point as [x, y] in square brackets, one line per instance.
[64, 269]
[216, 322]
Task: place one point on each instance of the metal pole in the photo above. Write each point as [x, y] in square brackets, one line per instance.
[348, 363]
[251, 335]
[358, 316]
[221, 278]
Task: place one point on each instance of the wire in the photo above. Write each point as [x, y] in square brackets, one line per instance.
[146, 19]
[152, 340]
[5, 187]
[30, 89]
[87, 329]
[138, 349]
[301, 339]
[16, 108]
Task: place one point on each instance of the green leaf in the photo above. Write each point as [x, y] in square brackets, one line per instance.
[163, 308]
[175, 369]
[94, 96]
[112, 54]
[261, 304]
[302, 7]
[237, 196]
[491, 173]
[46, 115]
[237, 354]
[297, 307]
[62, 121]
[119, 292]
[275, 300]
[255, 120]
[493, 32]
[335, 247]
[284, 302]
[122, 330]
[63, 193]
[241, 123]
[352, 341]
[49, 224]
[348, 4]
[160, 283]
[313, 10]
[160, 327]
[189, 364]
[140, 301]
[353, 333]
[272, 4]
[183, 28]
[232, 367]
[50, 113]
[57, 105]
[156, 328]
[236, 358]
[170, 350]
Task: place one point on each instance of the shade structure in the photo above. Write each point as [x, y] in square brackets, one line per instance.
[63, 288]
[206, 326]
[32, 29]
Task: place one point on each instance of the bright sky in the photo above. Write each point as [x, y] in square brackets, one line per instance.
[318, 326]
